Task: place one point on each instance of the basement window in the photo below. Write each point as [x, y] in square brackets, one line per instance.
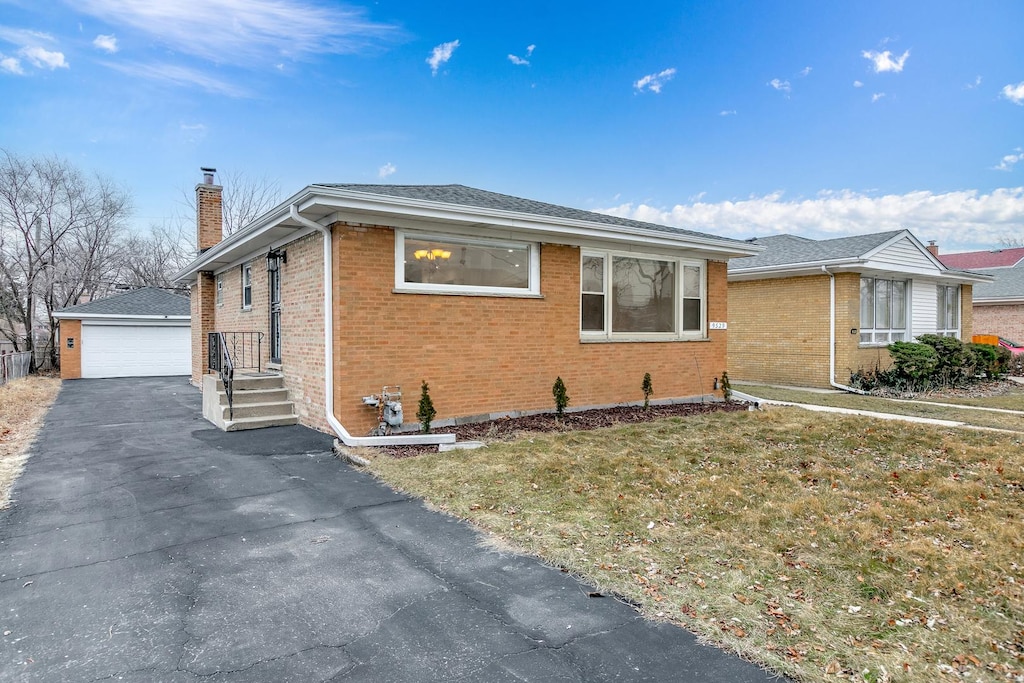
[626, 297]
[447, 264]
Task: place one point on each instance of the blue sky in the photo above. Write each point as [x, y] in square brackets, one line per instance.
[740, 119]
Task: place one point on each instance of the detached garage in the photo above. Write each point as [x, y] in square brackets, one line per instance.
[142, 333]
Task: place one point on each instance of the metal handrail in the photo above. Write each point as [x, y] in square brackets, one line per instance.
[220, 360]
[229, 351]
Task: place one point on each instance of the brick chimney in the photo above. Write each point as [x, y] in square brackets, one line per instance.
[209, 212]
[933, 248]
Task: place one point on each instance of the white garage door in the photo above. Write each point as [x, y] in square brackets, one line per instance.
[135, 350]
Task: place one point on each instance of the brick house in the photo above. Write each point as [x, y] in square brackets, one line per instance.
[812, 312]
[998, 305]
[485, 296]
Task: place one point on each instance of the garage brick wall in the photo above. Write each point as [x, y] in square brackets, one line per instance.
[70, 359]
[1007, 321]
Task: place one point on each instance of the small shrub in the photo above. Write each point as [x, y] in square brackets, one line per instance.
[954, 361]
[726, 386]
[561, 398]
[913, 363]
[425, 412]
[648, 390]
[993, 361]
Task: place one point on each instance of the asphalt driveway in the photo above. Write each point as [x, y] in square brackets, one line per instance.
[145, 545]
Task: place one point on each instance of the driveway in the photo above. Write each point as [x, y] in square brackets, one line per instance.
[145, 545]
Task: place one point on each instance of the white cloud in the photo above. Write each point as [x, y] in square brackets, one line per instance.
[654, 82]
[966, 218]
[884, 61]
[727, 112]
[530, 49]
[11, 65]
[192, 133]
[23, 37]
[1014, 93]
[41, 58]
[974, 84]
[518, 61]
[247, 33]
[181, 76]
[858, 84]
[105, 43]
[1010, 160]
[440, 55]
[877, 96]
[805, 71]
[386, 170]
[781, 86]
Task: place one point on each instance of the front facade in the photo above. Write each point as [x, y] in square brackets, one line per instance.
[814, 312]
[486, 297]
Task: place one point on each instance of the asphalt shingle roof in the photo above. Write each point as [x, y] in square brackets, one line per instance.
[995, 258]
[144, 301]
[483, 199]
[782, 250]
[1008, 282]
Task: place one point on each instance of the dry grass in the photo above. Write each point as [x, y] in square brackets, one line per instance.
[822, 546]
[877, 404]
[23, 403]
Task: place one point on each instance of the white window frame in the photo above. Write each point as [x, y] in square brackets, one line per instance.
[401, 286]
[874, 330]
[246, 286]
[941, 327]
[678, 334]
[219, 284]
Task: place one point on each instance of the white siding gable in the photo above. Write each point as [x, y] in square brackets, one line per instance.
[923, 302]
[905, 255]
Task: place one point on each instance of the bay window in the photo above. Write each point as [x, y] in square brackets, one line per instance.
[623, 296]
[883, 310]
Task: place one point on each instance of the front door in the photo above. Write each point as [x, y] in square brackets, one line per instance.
[275, 310]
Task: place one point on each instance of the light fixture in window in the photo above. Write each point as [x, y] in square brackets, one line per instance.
[432, 254]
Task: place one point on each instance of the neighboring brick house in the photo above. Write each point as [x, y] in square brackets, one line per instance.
[998, 305]
[485, 296]
[812, 312]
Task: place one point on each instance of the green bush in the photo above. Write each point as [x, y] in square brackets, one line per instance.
[913, 363]
[425, 412]
[993, 361]
[954, 360]
[648, 390]
[561, 397]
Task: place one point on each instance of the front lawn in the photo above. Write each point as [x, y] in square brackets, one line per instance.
[821, 546]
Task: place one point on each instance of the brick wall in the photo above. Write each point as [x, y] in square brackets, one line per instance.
[201, 297]
[492, 354]
[778, 330]
[1007, 321]
[70, 359]
[966, 312]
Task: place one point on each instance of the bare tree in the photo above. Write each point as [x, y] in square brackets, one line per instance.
[245, 198]
[59, 233]
[152, 259]
[1011, 242]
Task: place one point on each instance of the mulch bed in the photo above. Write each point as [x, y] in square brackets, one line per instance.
[511, 428]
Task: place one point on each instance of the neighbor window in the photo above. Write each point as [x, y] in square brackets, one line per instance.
[625, 296]
[883, 310]
[220, 290]
[465, 265]
[947, 319]
[247, 285]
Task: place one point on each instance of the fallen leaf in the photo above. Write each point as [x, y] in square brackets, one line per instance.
[833, 668]
[740, 597]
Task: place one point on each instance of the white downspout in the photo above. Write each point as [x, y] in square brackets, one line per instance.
[339, 429]
[832, 334]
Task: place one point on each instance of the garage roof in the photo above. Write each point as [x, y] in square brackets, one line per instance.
[146, 302]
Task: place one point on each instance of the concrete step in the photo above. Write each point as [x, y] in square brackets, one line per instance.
[240, 424]
[248, 396]
[271, 409]
[247, 382]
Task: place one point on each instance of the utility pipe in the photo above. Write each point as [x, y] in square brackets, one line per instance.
[339, 429]
[832, 334]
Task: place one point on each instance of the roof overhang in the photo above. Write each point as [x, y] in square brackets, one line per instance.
[70, 315]
[999, 301]
[327, 205]
[864, 266]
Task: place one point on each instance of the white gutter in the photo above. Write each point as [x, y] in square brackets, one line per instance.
[832, 334]
[339, 429]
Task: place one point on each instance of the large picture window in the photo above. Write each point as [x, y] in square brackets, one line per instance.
[624, 296]
[456, 265]
[883, 310]
[948, 311]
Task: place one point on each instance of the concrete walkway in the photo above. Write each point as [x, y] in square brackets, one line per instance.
[145, 545]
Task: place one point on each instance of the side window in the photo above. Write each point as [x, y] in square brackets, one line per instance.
[247, 285]
[220, 290]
